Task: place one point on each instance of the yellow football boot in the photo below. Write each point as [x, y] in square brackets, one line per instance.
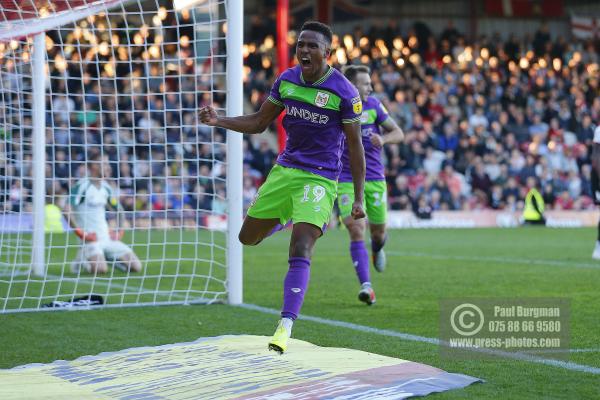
[279, 340]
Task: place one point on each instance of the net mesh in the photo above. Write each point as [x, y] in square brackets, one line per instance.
[122, 89]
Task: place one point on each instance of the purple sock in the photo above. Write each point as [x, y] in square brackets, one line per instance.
[294, 286]
[360, 258]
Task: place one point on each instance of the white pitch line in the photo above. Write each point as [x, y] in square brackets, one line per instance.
[585, 350]
[416, 338]
[507, 260]
[592, 350]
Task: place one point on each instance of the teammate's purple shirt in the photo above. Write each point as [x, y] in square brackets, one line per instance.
[373, 115]
[314, 116]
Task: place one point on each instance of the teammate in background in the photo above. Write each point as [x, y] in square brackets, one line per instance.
[596, 183]
[321, 108]
[86, 213]
[374, 117]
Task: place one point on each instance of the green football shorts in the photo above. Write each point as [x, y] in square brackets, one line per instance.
[375, 200]
[294, 194]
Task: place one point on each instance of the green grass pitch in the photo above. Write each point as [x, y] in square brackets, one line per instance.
[423, 266]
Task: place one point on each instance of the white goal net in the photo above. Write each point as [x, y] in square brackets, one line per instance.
[109, 186]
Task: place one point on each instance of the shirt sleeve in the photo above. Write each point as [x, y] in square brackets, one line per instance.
[274, 96]
[351, 106]
[382, 113]
[78, 193]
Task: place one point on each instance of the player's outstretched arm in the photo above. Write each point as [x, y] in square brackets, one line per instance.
[251, 123]
[393, 133]
[68, 212]
[356, 154]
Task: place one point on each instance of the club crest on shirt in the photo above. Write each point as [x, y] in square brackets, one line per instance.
[321, 99]
[356, 105]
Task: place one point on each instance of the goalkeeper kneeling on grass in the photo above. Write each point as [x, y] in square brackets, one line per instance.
[86, 213]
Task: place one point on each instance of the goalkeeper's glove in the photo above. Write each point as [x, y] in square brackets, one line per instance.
[116, 235]
[86, 236]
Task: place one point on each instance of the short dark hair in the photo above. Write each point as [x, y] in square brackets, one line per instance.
[351, 71]
[320, 27]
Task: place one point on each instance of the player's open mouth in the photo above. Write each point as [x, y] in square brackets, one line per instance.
[305, 61]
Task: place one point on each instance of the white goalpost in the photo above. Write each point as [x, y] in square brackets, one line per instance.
[111, 191]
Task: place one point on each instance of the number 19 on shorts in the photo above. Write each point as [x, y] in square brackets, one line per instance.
[318, 192]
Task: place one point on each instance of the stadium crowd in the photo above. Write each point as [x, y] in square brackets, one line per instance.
[126, 102]
[479, 119]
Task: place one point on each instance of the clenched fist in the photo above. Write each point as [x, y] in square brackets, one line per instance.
[376, 140]
[358, 211]
[208, 116]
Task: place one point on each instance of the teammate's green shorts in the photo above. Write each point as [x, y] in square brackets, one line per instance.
[375, 200]
[294, 194]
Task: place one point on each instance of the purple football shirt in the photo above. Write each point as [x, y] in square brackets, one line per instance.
[373, 115]
[313, 121]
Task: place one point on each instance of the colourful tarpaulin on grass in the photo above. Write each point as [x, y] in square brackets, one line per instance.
[228, 367]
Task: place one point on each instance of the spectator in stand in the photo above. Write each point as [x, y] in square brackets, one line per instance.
[421, 208]
[158, 198]
[564, 201]
[548, 195]
[264, 158]
[519, 128]
[496, 201]
[449, 139]
[399, 196]
[480, 181]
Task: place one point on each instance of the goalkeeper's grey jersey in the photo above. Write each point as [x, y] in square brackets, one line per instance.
[88, 205]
